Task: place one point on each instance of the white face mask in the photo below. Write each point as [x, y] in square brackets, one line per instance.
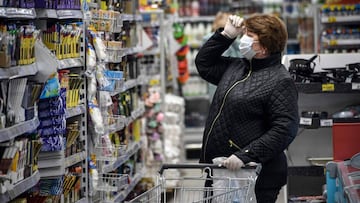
[245, 47]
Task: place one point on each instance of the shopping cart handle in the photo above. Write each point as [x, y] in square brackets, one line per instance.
[197, 166]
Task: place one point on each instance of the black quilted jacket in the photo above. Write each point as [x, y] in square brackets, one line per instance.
[254, 112]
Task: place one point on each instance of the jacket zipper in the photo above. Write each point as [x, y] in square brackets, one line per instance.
[220, 110]
[234, 144]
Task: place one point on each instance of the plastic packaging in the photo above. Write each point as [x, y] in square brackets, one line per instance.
[51, 88]
[241, 196]
[103, 82]
[90, 59]
[96, 117]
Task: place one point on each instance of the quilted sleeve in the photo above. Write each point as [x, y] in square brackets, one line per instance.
[283, 119]
[209, 62]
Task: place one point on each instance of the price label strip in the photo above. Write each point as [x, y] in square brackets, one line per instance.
[326, 122]
[328, 87]
[305, 121]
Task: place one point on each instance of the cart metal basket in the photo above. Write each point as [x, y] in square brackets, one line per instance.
[191, 188]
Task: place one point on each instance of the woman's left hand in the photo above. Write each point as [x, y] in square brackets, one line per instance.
[233, 163]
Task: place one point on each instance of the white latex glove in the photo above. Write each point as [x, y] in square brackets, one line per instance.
[233, 163]
[233, 26]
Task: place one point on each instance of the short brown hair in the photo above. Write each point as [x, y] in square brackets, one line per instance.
[220, 20]
[270, 29]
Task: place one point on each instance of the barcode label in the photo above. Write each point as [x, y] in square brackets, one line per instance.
[355, 86]
[305, 121]
[326, 122]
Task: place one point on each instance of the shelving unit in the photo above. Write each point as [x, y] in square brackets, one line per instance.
[123, 157]
[18, 129]
[313, 147]
[50, 164]
[18, 71]
[15, 190]
[16, 134]
[339, 28]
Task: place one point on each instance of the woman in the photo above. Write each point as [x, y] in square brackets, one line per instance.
[254, 113]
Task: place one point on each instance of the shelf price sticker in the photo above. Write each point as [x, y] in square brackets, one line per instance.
[305, 121]
[328, 87]
[333, 42]
[326, 122]
[355, 86]
[332, 19]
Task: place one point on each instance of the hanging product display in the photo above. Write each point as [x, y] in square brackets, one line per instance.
[17, 44]
[154, 129]
[181, 54]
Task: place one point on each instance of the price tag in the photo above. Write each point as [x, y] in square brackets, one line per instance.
[328, 87]
[62, 64]
[154, 82]
[332, 19]
[64, 13]
[305, 121]
[12, 11]
[333, 42]
[2, 12]
[355, 86]
[326, 122]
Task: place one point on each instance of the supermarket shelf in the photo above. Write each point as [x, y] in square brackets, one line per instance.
[195, 45]
[193, 146]
[155, 51]
[127, 85]
[122, 195]
[131, 17]
[83, 200]
[125, 121]
[75, 111]
[93, 5]
[196, 19]
[137, 112]
[20, 187]
[25, 13]
[52, 172]
[341, 19]
[194, 130]
[192, 97]
[119, 181]
[143, 79]
[328, 88]
[193, 137]
[130, 84]
[51, 164]
[18, 129]
[293, 41]
[132, 149]
[70, 63]
[120, 124]
[74, 159]
[59, 14]
[313, 123]
[134, 115]
[51, 159]
[341, 42]
[151, 24]
[18, 71]
[119, 53]
[61, 63]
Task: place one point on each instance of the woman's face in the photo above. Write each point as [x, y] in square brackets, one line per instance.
[256, 46]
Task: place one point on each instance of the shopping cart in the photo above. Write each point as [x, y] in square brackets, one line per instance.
[190, 187]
